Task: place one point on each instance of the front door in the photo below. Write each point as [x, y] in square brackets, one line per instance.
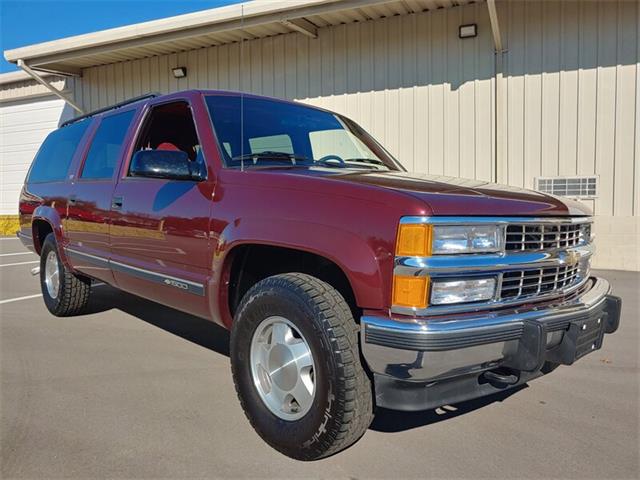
[160, 226]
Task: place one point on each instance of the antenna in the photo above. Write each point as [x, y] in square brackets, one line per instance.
[241, 90]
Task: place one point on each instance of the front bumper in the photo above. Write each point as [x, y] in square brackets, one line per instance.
[421, 363]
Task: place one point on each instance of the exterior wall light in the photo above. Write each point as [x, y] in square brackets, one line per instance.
[179, 72]
[468, 31]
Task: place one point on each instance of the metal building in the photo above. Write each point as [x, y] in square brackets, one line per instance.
[537, 94]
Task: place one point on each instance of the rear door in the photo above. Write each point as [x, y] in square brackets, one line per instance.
[160, 230]
[89, 202]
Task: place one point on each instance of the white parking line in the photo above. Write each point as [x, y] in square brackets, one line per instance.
[9, 238]
[17, 299]
[19, 253]
[19, 263]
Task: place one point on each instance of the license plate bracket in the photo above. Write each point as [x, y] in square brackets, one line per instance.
[582, 337]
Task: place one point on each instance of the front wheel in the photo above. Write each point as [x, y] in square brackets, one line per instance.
[296, 367]
[64, 293]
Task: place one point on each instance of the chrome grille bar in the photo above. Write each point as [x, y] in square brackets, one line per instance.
[526, 237]
[530, 283]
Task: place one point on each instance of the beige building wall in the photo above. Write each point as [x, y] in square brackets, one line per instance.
[424, 93]
[568, 99]
[572, 107]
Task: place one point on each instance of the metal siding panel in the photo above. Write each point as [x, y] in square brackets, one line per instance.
[515, 95]
[532, 125]
[213, 67]
[420, 129]
[290, 60]
[279, 66]
[625, 106]
[110, 86]
[407, 93]
[266, 66]
[606, 107]
[367, 53]
[467, 97]
[340, 69]
[191, 80]
[587, 89]
[254, 48]
[452, 95]
[380, 33]
[391, 92]
[484, 98]
[437, 92]
[568, 89]
[390, 75]
[223, 66]
[302, 66]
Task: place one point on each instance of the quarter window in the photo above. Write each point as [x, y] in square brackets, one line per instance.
[54, 157]
[106, 146]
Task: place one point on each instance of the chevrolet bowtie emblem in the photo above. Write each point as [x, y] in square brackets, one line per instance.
[572, 257]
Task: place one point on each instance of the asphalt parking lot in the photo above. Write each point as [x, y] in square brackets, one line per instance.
[133, 390]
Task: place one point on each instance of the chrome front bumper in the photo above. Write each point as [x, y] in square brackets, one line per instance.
[427, 350]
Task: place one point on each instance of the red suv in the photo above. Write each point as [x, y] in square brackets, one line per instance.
[347, 282]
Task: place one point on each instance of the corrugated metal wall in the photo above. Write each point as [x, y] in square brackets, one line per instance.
[30, 88]
[408, 79]
[570, 105]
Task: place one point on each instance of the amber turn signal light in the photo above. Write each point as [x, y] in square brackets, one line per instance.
[410, 291]
[414, 240]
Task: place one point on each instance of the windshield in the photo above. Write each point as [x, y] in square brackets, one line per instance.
[262, 132]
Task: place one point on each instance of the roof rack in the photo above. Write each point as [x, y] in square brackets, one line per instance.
[111, 107]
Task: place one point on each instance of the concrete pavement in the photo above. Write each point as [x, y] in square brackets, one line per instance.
[133, 389]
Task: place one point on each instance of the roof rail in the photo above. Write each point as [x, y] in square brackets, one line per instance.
[111, 107]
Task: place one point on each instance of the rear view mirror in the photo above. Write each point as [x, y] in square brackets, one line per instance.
[167, 164]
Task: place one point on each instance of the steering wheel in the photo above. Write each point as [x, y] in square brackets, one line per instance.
[330, 158]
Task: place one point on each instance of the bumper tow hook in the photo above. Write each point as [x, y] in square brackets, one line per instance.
[501, 378]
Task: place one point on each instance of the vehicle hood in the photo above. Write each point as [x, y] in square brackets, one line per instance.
[457, 196]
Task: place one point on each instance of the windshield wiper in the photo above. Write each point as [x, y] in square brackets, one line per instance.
[271, 155]
[372, 161]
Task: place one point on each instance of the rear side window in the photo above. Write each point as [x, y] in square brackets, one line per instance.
[54, 157]
[105, 148]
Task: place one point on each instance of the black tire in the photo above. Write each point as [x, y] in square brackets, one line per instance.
[342, 408]
[74, 291]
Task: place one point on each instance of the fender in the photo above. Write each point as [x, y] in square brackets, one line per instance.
[52, 217]
[354, 255]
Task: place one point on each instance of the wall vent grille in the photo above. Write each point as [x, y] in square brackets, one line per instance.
[575, 187]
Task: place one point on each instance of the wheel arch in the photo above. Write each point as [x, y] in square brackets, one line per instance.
[343, 253]
[47, 220]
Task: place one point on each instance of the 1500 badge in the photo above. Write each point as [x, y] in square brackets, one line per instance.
[175, 283]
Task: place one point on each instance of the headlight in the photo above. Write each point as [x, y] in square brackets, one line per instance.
[467, 239]
[445, 292]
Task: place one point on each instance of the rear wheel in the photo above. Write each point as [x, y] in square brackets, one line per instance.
[64, 293]
[296, 367]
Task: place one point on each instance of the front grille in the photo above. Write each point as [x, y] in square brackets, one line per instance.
[526, 237]
[528, 283]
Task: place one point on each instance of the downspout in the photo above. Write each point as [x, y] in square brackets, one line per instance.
[499, 168]
[47, 85]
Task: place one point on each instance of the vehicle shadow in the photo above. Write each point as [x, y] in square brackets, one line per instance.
[194, 329]
[216, 338]
[391, 421]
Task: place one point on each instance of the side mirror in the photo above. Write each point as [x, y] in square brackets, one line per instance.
[167, 164]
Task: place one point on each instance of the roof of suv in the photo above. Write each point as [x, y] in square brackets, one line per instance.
[149, 96]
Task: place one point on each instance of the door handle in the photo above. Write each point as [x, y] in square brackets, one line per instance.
[72, 200]
[116, 203]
